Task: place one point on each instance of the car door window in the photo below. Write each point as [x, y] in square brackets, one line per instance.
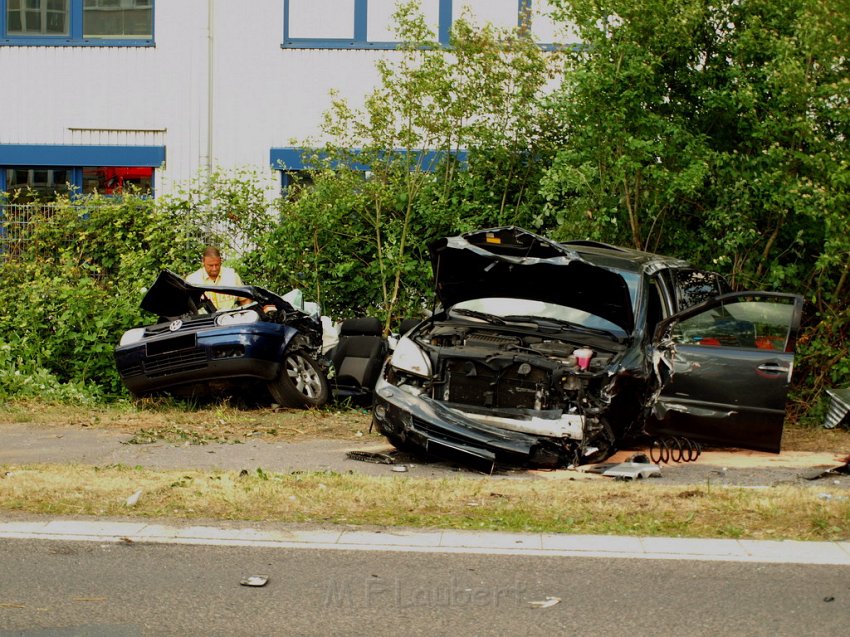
[741, 322]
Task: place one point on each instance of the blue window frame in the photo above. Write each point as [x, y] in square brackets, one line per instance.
[357, 37]
[356, 32]
[292, 160]
[77, 22]
[78, 166]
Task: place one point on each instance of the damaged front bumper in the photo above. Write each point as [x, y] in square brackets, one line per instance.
[481, 440]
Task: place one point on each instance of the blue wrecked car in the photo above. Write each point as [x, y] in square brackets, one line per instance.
[266, 349]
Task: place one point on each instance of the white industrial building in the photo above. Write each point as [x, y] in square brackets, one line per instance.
[101, 92]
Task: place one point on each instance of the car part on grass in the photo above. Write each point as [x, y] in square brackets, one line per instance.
[375, 457]
[674, 449]
[133, 500]
[633, 471]
[819, 473]
[357, 359]
[839, 408]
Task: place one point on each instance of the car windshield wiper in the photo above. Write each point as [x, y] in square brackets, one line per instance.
[560, 323]
[490, 318]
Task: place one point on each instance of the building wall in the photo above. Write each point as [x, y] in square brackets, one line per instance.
[217, 88]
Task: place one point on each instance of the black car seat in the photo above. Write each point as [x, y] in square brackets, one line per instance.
[358, 358]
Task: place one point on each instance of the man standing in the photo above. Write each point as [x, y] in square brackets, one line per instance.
[213, 273]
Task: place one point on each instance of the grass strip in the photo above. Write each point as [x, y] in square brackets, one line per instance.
[576, 507]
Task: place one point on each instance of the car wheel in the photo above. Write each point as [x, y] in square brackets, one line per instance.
[301, 383]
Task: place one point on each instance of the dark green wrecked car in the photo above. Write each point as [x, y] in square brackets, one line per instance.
[550, 354]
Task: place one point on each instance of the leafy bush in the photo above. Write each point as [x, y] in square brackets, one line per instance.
[74, 285]
[718, 132]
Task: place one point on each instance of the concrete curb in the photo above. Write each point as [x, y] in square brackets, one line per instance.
[436, 541]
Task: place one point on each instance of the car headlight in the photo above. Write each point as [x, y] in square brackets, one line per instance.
[237, 318]
[132, 336]
[409, 358]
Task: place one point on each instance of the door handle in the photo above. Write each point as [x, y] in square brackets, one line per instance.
[773, 368]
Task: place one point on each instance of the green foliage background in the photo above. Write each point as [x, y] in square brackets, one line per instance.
[73, 281]
[715, 130]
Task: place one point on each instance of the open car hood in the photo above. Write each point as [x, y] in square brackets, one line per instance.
[511, 262]
[171, 296]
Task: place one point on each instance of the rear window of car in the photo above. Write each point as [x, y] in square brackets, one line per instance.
[697, 286]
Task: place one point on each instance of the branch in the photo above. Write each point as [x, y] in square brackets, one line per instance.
[767, 248]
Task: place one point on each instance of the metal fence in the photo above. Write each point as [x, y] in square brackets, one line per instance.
[16, 225]
[18, 222]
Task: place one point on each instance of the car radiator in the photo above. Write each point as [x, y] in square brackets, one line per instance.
[517, 386]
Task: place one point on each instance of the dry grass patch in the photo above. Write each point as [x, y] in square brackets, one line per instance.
[816, 439]
[594, 507]
[224, 422]
[149, 421]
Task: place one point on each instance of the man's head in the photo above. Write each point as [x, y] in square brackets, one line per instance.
[212, 262]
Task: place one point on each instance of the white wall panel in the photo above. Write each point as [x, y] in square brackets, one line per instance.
[321, 18]
[380, 24]
[547, 30]
[177, 87]
[500, 13]
[266, 96]
[263, 95]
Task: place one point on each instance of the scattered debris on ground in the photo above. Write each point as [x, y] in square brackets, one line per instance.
[255, 580]
[633, 471]
[839, 408]
[133, 500]
[819, 473]
[371, 456]
[545, 603]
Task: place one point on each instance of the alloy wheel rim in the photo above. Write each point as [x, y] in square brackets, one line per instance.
[303, 376]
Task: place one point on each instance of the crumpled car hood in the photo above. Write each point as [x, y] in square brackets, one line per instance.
[511, 262]
[170, 295]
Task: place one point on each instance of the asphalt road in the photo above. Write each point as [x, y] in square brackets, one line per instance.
[58, 589]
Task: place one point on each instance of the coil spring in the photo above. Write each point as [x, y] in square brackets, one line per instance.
[674, 449]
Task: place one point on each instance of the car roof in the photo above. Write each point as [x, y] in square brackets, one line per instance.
[629, 259]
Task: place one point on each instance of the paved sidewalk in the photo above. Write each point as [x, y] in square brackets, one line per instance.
[436, 541]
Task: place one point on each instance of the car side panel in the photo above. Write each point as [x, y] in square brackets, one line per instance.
[725, 396]
[724, 380]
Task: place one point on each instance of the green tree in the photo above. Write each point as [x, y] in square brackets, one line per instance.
[632, 167]
[74, 279]
[361, 242]
[716, 130]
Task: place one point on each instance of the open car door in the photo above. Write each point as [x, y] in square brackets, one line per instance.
[724, 368]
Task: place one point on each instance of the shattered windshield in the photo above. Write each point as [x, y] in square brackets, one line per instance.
[511, 310]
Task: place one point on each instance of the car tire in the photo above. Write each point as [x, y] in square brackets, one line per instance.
[301, 383]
